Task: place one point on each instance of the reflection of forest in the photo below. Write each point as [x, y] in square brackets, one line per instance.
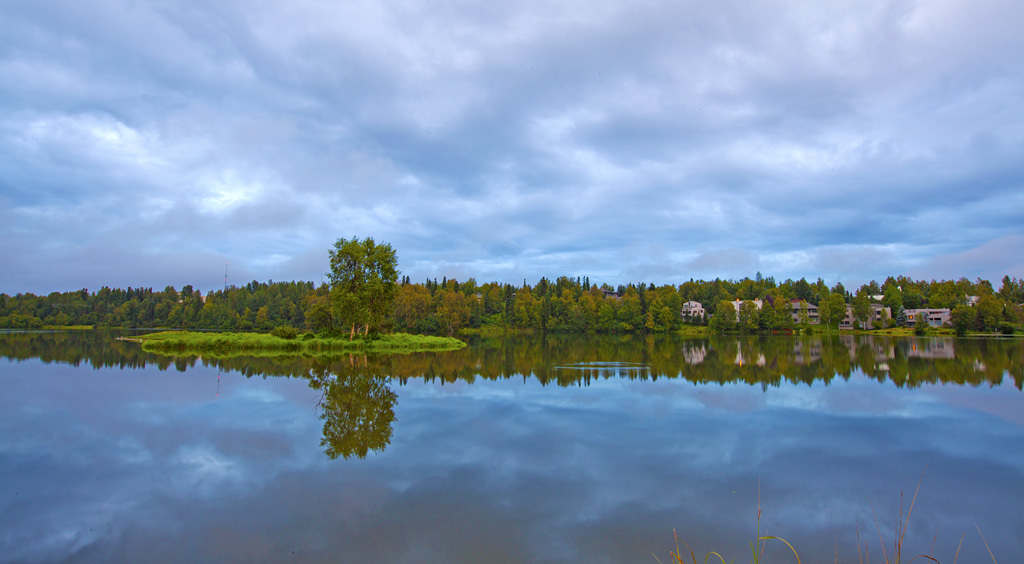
[357, 401]
[575, 360]
[98, 348]
[767, 361]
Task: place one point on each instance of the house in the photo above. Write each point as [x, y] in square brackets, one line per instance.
[812, 311]
[936, 317]
[876, 314]
[737, 303]
[692, 311]
[610, 294]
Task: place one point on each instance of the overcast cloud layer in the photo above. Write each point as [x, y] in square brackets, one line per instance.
[146, 143]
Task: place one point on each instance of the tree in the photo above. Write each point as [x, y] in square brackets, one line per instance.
[412, 307]
[363, 281]
[783, 312]
[988, 314]
[747, 316]
[833, 310]
[962, 319]
[767, 318]
[724, 318]
[452, 310]
[802, 290]
[862, 308]
[1012, 290]
[920, 323]
[893, 297]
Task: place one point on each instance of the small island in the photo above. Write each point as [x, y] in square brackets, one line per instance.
[363, 287]
[261, 344]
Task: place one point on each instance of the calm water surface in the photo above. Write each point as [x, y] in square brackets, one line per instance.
[525, 450]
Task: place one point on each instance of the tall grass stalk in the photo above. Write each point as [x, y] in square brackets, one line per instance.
[757, 546]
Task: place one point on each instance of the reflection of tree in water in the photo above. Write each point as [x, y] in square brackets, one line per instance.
[357, 407]
[756, 360]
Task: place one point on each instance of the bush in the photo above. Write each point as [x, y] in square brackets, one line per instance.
[921, 325]
[285, 332]
[1006, 328]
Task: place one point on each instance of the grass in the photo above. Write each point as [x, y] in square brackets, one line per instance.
[260, 344]
[758, 545]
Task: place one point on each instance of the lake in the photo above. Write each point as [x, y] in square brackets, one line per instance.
[525, 449]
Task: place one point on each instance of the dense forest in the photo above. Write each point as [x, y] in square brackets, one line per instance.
[565, 305]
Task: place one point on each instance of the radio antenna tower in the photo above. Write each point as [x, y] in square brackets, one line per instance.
[225, 276]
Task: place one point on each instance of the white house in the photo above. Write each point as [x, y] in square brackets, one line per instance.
[693, 311]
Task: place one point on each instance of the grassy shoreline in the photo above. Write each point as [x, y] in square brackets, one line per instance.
[260, 344]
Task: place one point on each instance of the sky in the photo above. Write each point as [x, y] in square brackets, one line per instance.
[156, 142]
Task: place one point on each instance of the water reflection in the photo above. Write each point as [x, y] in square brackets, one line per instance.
[572, 361]
[761, 361]
[526, 450]
[357, 403]
[357, 407]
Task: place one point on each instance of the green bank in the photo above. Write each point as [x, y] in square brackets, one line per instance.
[261, 344]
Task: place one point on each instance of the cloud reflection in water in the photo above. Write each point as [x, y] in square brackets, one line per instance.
[141, 464]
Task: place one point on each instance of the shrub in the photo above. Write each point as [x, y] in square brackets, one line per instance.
[921, 325]
[284, 332]
[1006, 328]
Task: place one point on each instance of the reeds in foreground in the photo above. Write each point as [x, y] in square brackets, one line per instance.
[758, 545]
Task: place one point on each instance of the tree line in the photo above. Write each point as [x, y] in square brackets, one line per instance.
[565, 305]
[363, 293]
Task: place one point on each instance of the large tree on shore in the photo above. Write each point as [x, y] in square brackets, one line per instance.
[363, 280]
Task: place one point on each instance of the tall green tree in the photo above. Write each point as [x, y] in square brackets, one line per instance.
[832, 310]
[363, 279]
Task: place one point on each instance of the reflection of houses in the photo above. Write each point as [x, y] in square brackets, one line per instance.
[875, 314]
[934, 317]
[806, 352]
[694, 355]
[931, 348]
[881, 350]
[760, 360]
[812, 311]
[693, 311]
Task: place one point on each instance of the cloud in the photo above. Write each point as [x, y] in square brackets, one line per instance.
[510, 141]
[992, 260]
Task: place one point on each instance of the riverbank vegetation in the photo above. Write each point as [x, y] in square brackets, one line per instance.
[259, 344]
[366, 294]
[566, 305]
